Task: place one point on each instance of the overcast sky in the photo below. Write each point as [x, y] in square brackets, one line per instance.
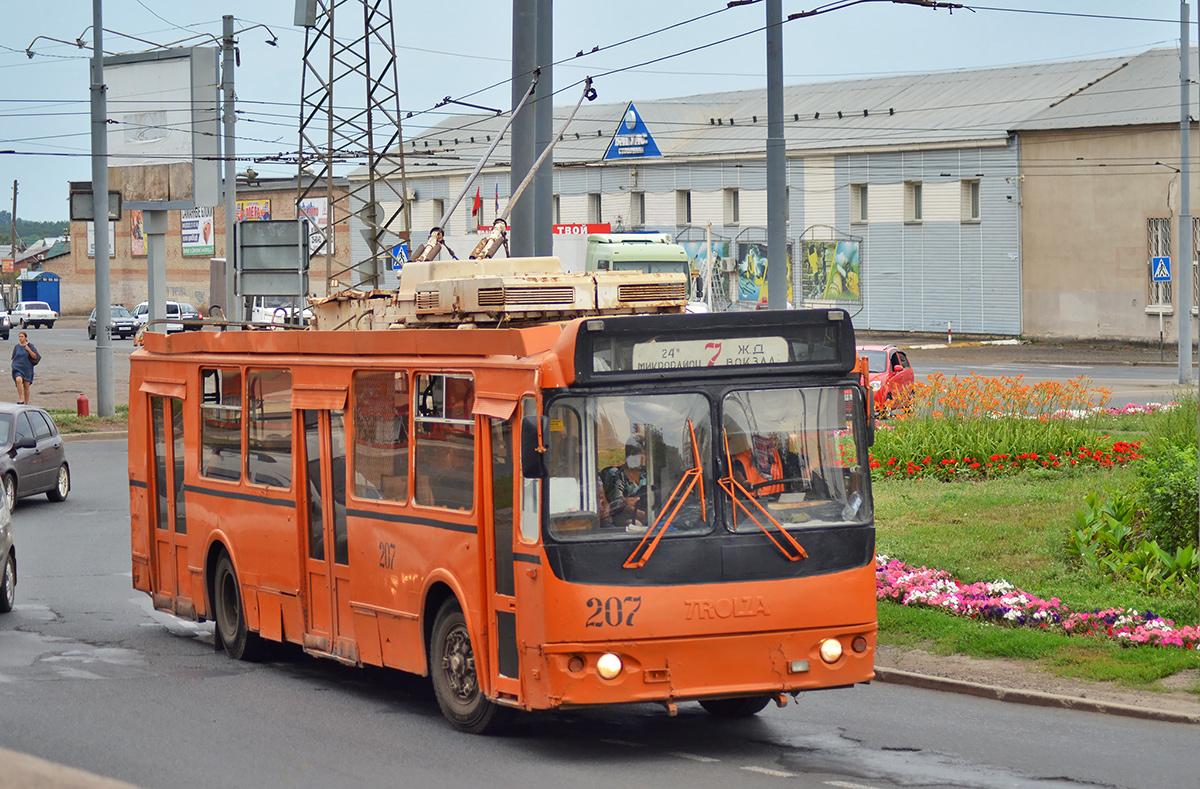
[461, 48]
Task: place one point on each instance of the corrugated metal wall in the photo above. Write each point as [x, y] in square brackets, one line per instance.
[915, 276]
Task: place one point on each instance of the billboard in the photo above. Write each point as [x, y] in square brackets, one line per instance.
[112, 239]
[254, 210]
[137, 233]
[196, 227]
[164, 134]
[832, 270]
[752, 272]
[317, 211]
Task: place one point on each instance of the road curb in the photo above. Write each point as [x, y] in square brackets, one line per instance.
[98, 435]
[1031, 697]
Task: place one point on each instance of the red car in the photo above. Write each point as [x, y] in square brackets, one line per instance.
[890, 372]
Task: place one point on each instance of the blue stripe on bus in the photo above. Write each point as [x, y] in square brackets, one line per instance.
[391, 517]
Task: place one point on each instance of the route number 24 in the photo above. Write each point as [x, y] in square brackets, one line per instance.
[612, 611]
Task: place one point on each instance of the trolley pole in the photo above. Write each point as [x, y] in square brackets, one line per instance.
[105, 389]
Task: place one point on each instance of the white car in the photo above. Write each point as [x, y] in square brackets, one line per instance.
[33, 313]
[278, 309]
[141, 313]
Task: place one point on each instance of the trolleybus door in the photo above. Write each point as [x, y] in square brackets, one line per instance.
[499, 518]
[170, 521]
[323, 516]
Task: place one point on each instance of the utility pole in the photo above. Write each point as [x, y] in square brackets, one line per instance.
[543, 182]
[105, 389]
[777, 260]
[13, 236]
[1185, 203]
[234, 309]
[524, 134]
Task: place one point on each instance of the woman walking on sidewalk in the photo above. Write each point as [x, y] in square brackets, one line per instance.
[24, 357]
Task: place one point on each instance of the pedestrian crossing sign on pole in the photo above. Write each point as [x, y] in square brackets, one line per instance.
[1160, 269]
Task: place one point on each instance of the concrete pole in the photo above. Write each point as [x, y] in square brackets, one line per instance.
[543, 182]
[155, 226]
[105, 389]
[524, 148]
[229, 304]
[777, 268]
[1184, 299]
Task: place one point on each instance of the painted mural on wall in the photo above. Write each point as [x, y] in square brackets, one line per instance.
[831, 270]
[698, 253]
[752, 272]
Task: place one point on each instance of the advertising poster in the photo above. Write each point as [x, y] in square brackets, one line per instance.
[254, 210]
[752, 272]
[112, 239]
[196, 225]
[137, 233]
[317, 211]
[698, 253]
[832, 270]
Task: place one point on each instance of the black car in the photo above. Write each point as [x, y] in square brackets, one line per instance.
[5, 323]
[121, 323]
[33, 458]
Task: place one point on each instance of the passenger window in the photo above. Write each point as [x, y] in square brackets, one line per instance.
[221, 424]
[444, 446]
[381, 409]
[531, 489]
[24, 429]
[41, 426]
[269, 428]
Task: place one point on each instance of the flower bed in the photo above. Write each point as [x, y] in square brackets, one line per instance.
[1001, 603]
[951, 467]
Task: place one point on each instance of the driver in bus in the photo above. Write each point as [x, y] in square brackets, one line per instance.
[625, 486]
[756, 462]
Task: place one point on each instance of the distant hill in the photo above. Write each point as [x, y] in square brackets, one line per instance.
[30, 231]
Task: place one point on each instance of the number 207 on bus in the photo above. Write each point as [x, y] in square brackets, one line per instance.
[658, 508]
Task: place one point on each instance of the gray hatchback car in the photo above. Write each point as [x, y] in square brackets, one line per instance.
[33, 458]
[8, 555]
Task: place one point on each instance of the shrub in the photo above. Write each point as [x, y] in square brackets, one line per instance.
[1167, 496]
[1176, 426]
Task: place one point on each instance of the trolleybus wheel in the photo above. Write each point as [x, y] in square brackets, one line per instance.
[455, 681]
[238, 641]
[62, 487]
[8, 584]
[735, 708]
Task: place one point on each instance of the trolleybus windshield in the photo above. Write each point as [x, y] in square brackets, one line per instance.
[790, 458]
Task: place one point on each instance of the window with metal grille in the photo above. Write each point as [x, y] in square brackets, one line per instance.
[1158, 242]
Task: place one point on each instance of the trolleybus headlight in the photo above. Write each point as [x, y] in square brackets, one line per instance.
[831, 650]
[608, 666]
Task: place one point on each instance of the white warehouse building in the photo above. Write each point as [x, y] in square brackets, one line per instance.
[1024, 200]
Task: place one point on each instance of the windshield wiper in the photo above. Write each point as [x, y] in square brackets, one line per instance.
[731, 487]
[645, 549]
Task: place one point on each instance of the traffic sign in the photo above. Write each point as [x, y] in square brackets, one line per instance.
[399, 255]
[1160, 269]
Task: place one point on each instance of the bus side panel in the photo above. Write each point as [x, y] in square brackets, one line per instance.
[139, 503]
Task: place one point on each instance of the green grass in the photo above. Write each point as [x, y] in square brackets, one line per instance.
[70, 422]
[1014, 528]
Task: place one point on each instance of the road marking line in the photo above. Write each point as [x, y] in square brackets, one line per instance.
[693, 756]
[767, 771]
[848, 785]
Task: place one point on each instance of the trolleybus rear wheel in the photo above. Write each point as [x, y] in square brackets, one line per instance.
[455, 681]
[735, 708]
[238, 641]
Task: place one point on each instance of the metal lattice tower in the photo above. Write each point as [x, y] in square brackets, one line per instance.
[349, 105]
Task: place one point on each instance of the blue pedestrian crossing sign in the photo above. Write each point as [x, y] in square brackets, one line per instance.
[399, 255]
[1160, 269]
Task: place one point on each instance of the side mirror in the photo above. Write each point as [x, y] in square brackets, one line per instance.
[898, 368]
[533, 461]
[24, 442]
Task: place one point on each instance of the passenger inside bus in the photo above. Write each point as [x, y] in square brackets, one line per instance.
[625, 487]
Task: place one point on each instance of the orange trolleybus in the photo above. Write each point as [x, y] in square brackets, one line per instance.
[602, 510]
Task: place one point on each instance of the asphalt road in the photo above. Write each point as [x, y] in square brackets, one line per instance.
[92, 677]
